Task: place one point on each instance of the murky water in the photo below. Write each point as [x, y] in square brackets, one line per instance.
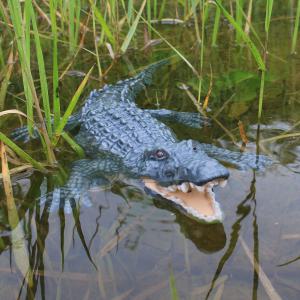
[130, 245]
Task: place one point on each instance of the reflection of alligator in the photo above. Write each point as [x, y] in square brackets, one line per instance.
[119, 137]
[208, 238]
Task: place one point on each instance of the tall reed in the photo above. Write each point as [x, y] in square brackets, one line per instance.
[56, 102]
[216, 26]
[239, 18]
[1, 54]
[203, 11]
[296, 28]
[24, 55]
[250, 44]
[269, 8]
[52, 128]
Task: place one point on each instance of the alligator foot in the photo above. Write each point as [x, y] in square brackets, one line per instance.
[242, 161]
[86, 174]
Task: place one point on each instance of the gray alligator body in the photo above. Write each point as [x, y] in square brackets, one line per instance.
[119, 137]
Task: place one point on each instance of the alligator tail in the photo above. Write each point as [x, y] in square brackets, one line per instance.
[22, 135]
[144, 78]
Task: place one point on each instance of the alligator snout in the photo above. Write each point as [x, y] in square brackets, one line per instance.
[195, 171]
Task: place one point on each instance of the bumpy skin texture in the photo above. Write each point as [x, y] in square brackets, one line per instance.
[120, 137]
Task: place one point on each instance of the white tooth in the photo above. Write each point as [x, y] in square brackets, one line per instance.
[192, 185]
[185, 187]
[172, 188]
[209, 185]
[200, 188]
[223, 183]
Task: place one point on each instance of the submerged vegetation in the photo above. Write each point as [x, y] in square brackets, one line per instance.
[46, 44]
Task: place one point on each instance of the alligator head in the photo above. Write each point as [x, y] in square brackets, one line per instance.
[184, 174]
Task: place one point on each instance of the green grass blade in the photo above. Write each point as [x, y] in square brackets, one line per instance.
[162, 10]
[27, 18]
[261, 94]
[55, 78]
[71, 106]
[1, 54]
[29, 88]
[27, 51]
[216, 26]
[296, 28]
[71, 24]
[73, 144]
[77, 24]
[21, 153]
[129, 10]
[154, 8]
[173, 289]
[132, 29]
[244, 36]
[4, 16]
[5, 81]
[204, 8]
[96, 46]
[269, 9]
[16, 17]
[42, 71]
[103, 23]
[149, 16]
[239, 17]
[196, 23]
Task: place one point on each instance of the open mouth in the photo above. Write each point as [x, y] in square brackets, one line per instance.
[196, 200]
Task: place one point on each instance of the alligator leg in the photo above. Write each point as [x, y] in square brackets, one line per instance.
[21, 134]
[242, 161]
[84, 174]
[190, 119]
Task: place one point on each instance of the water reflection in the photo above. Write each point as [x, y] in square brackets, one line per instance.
[243, 210]
[208, 238]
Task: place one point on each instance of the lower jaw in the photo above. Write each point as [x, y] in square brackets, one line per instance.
[200, 205]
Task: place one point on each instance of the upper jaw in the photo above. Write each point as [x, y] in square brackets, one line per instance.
[216, 180]
[186, 186]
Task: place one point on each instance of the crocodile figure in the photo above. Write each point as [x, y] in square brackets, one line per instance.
[121, 138]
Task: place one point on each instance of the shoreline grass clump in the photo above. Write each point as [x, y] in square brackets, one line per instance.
[115, 27]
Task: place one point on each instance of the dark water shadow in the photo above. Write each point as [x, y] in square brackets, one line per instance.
[208, 238]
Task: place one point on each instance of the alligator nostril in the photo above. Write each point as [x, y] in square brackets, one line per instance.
[169, 173]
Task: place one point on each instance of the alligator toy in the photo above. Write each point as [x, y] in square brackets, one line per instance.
[121, 138]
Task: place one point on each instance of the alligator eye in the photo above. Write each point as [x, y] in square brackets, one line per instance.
[159, 154]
